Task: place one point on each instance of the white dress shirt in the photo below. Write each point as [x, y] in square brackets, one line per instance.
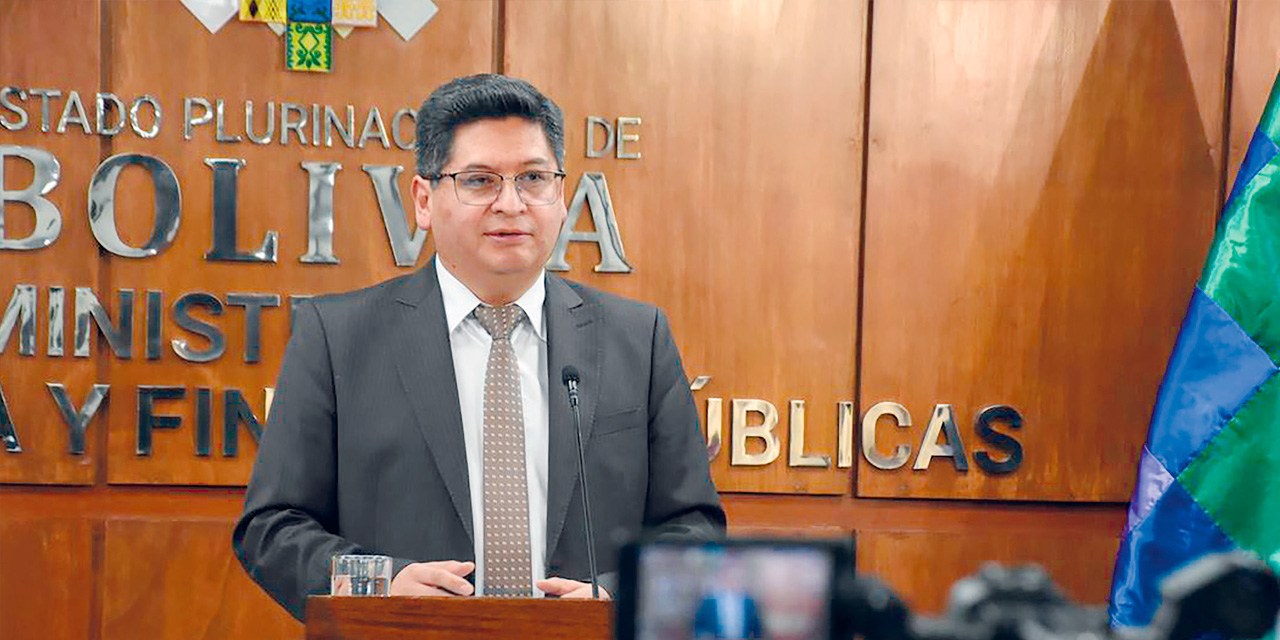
[470, 344]
[731, 607]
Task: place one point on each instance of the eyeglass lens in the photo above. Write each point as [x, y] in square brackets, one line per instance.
[483, 187]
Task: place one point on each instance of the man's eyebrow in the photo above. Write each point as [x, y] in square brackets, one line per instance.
[480, 166]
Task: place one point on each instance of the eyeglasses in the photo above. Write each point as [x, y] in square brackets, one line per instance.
[482, 187]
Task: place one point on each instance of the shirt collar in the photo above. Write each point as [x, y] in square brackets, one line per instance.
[459, 301]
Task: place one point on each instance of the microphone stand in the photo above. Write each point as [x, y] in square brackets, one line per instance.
[572, 382]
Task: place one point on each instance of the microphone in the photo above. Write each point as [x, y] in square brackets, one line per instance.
[569, 375]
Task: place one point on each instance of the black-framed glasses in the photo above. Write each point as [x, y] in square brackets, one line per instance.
[482, 187]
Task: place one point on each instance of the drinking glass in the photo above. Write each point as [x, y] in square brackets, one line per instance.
[359, 575]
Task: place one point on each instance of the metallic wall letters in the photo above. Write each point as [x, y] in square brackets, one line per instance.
[766, 431]
[287, 125]
[268, 397]
[182, 317]
[404, 247]
[135, 120]
[593, 190]
[253, 304]
[8, 432]
[715, 420]
[375, 117]
[870, 421]
[204, 420]
[101, 109]
[102, 205]
[715, 426]
[57, 318]
[943, 420]
[20, 314]
[225, 181]
[148, 421]
[79, 117]
[236, 411]
[1005, 442]
[315, 125]
[844, 434]
[190, 121]
[119, 335]
[22, 119]
[220, 124]
[155, 307]
[248, 123]
[77, 421]
[796, 457]
[320, 181]
[623, 138]
[347, 133]
[45, 174]
[395, 129]
[594, 123]
[44, 95]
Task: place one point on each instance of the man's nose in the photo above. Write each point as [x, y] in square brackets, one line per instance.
[508, 198]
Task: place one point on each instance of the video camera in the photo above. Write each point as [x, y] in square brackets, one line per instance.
[807, 590]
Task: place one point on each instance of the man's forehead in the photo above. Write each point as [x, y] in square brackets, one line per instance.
[510, 141]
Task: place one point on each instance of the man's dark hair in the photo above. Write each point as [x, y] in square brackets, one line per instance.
[478, 97]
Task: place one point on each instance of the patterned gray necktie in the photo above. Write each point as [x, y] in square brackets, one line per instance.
[507, 564]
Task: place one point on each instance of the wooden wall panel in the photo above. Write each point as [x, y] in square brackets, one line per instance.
[741, 217]
[177, 580]
[1041, 189]
[63, 58]
[1257, 57]
[1038, 208]
[46, 571]
[372, 68]
[921, 565]
[825, 516]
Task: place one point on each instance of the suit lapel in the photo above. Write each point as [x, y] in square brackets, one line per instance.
[572, 339]
[425, 365]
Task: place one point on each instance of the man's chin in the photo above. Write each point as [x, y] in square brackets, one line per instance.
[515, 268]
[514, 263]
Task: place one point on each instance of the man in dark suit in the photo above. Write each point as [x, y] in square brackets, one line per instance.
[728, 611]
[424, 418]
[727, 615]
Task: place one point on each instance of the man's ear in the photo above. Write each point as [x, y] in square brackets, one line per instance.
[564, 210]
[423, 198]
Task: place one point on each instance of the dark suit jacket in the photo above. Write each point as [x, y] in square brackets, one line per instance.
[363, 451]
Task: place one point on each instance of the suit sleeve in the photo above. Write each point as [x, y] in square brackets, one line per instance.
[284, 538]
[682, 501]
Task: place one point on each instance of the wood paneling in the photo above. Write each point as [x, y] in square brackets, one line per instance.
[178, 580]
[244, 61]
[1257, 57]
[1041, 187]
[826, 516]
[741, 217]
[46, 577]
[193, 525]
[921, 565]
[1038, 208]
[66, 58]
[748, 513]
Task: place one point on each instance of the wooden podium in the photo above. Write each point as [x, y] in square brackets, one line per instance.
[343, 618]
